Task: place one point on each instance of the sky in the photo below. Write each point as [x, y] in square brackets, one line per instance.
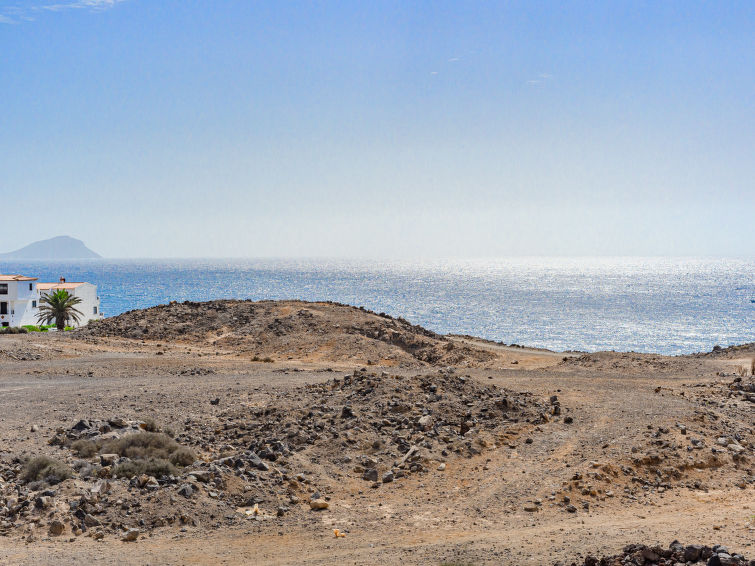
[237, 128]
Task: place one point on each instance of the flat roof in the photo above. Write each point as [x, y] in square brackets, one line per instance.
[16, 278]
[66, 285]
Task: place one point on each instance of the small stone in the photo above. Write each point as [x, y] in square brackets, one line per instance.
[56, 528]
[131, 535]
[318, 504]
[723, 559]
[441, 466]
[91, 521]
[388, 477]
[108, 459]
[202, 475]
[186, 490]
[692, 552]
[425, 422]
[370, 475]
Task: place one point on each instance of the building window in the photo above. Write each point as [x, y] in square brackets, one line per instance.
[6, 324]
[3, 308]
[31, 287]
[3, 288]
[94, 310]
[34, 304]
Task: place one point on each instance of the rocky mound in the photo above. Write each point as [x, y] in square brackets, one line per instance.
[385, 426]
[625, 362]
[676, 553]
[287, 457]
[133, 487]
[730, 351]
[290, 330]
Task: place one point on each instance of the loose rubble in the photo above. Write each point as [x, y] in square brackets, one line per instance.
[675, 554]
[378, 429]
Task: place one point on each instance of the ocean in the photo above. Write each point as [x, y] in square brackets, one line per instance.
[663, 305]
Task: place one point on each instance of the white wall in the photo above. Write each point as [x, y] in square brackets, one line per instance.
[89, 302]
[21, 301]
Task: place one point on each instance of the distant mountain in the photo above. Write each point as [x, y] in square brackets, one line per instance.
[60, 247]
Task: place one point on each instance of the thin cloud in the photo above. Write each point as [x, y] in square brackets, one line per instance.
[18, 14]
[542, 79]
[94, 5]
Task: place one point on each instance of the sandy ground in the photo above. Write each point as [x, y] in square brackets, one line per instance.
[472, 512]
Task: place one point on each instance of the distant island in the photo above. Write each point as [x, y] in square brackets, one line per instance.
[60, 247]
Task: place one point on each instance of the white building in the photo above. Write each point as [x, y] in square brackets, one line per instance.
[20, 296]
[19, 300]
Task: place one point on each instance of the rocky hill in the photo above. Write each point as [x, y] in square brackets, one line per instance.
[291, 329]
[60, 247]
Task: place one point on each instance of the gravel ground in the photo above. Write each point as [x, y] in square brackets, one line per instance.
[655, 449]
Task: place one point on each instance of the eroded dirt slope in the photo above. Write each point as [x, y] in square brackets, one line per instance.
[292, 329]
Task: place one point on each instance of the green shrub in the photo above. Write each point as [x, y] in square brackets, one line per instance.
[31, 328]
[44, 468]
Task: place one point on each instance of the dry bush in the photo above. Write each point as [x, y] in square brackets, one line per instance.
[85, 448]
[142, 446]
[152, 453]
[156, 467]
[752, 366]
[182, 456]
[44, 468]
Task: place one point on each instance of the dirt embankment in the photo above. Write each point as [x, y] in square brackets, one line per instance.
[292, 330]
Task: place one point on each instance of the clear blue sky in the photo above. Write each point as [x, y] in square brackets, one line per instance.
[392, 129]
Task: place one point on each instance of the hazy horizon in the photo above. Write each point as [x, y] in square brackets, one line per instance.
[461, 130]
[387, 258]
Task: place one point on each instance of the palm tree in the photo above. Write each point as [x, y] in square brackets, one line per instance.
[60, 307]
